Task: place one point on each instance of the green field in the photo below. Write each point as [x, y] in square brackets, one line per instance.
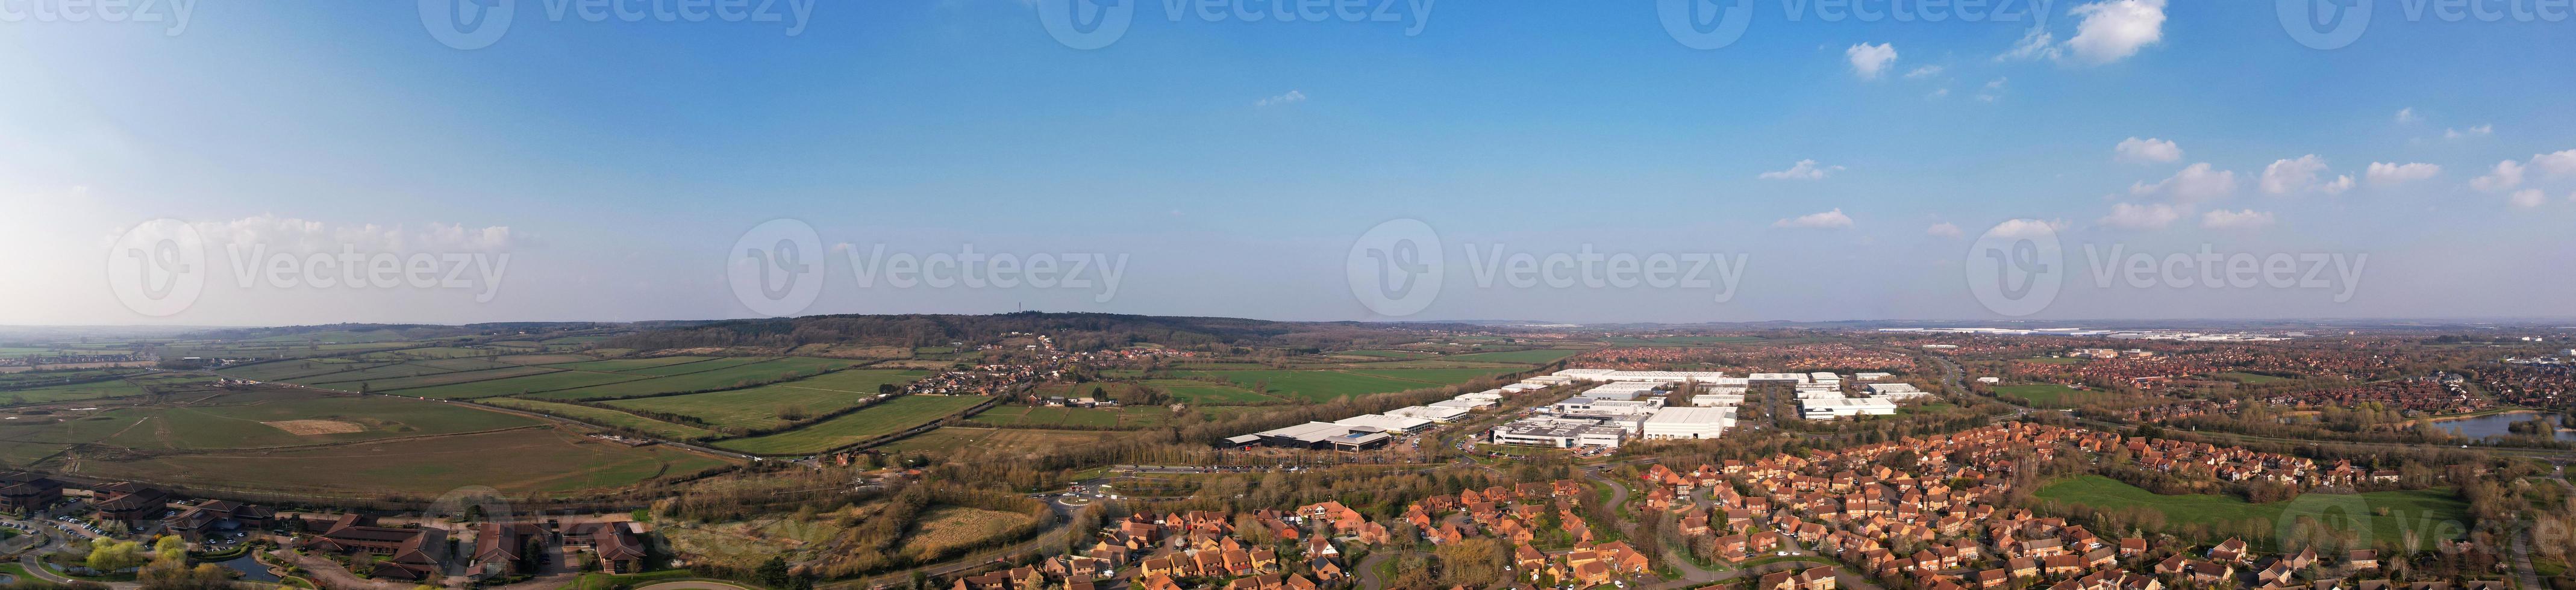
[283, 370]
[625, 365]
[293, 441]
[1541, 356]
[729, 375]
[1317, 386]
[1434, 376]
[860, 381]
[2408, 510]
[1392, 354]
[2250, 377]
[890, 417]
[2047, 395]
[518, 385]
[955, 438]
[703, 365]
[754, 408]
[72, 392]
[605, 417]
[405, 383]
[544, 461]
[1205, 393]
[1137, 417]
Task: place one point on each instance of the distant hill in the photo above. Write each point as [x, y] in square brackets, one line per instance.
[1071, 331]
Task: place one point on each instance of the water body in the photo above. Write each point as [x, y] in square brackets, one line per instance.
[251, 570]
[2480, 427]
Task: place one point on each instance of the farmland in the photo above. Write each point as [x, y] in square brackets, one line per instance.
[1202, 392]
[733, 375]
[890, 417]
[2409, 508]
[760, 407]
[1519, 356]
[606, 417]
[2047, 395]
[1124, 418]
[1324, 386]
[274, 439]
[536, 460]
[554, 381]
[954, 438]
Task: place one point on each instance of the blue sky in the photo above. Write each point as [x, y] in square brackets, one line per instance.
[1235, 163]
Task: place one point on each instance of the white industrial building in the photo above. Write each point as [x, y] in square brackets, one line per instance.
[1561, 433]
[1465, 404]
[1789, 378]
[1605, 408]
[1435, 414]
[1687, 423]
[1387, 423]
[1825, 377]
[1871, 376]
[1612, 375]
[1828, 409]
[1708, 400]
[1897, 391]
[1622, 390]
[1804, 393]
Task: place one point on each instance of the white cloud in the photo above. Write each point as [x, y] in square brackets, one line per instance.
[1992, 91]
[286, 234]
[1834, 219]
[2528, 198]
[2026, 228]
[1803, 170]
[2407, 115]
[2148, 150]
[2557, 164]
[2197, 182]
[2246, 219]
[2384, 173]
[1923, 72]
[2148, 216]
[2300, 175]
[2039, 44]
[1943, 230]
[2111, 30]
[2507, 175]
[2478, 131]
[1292, 97]
[1868, 61]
